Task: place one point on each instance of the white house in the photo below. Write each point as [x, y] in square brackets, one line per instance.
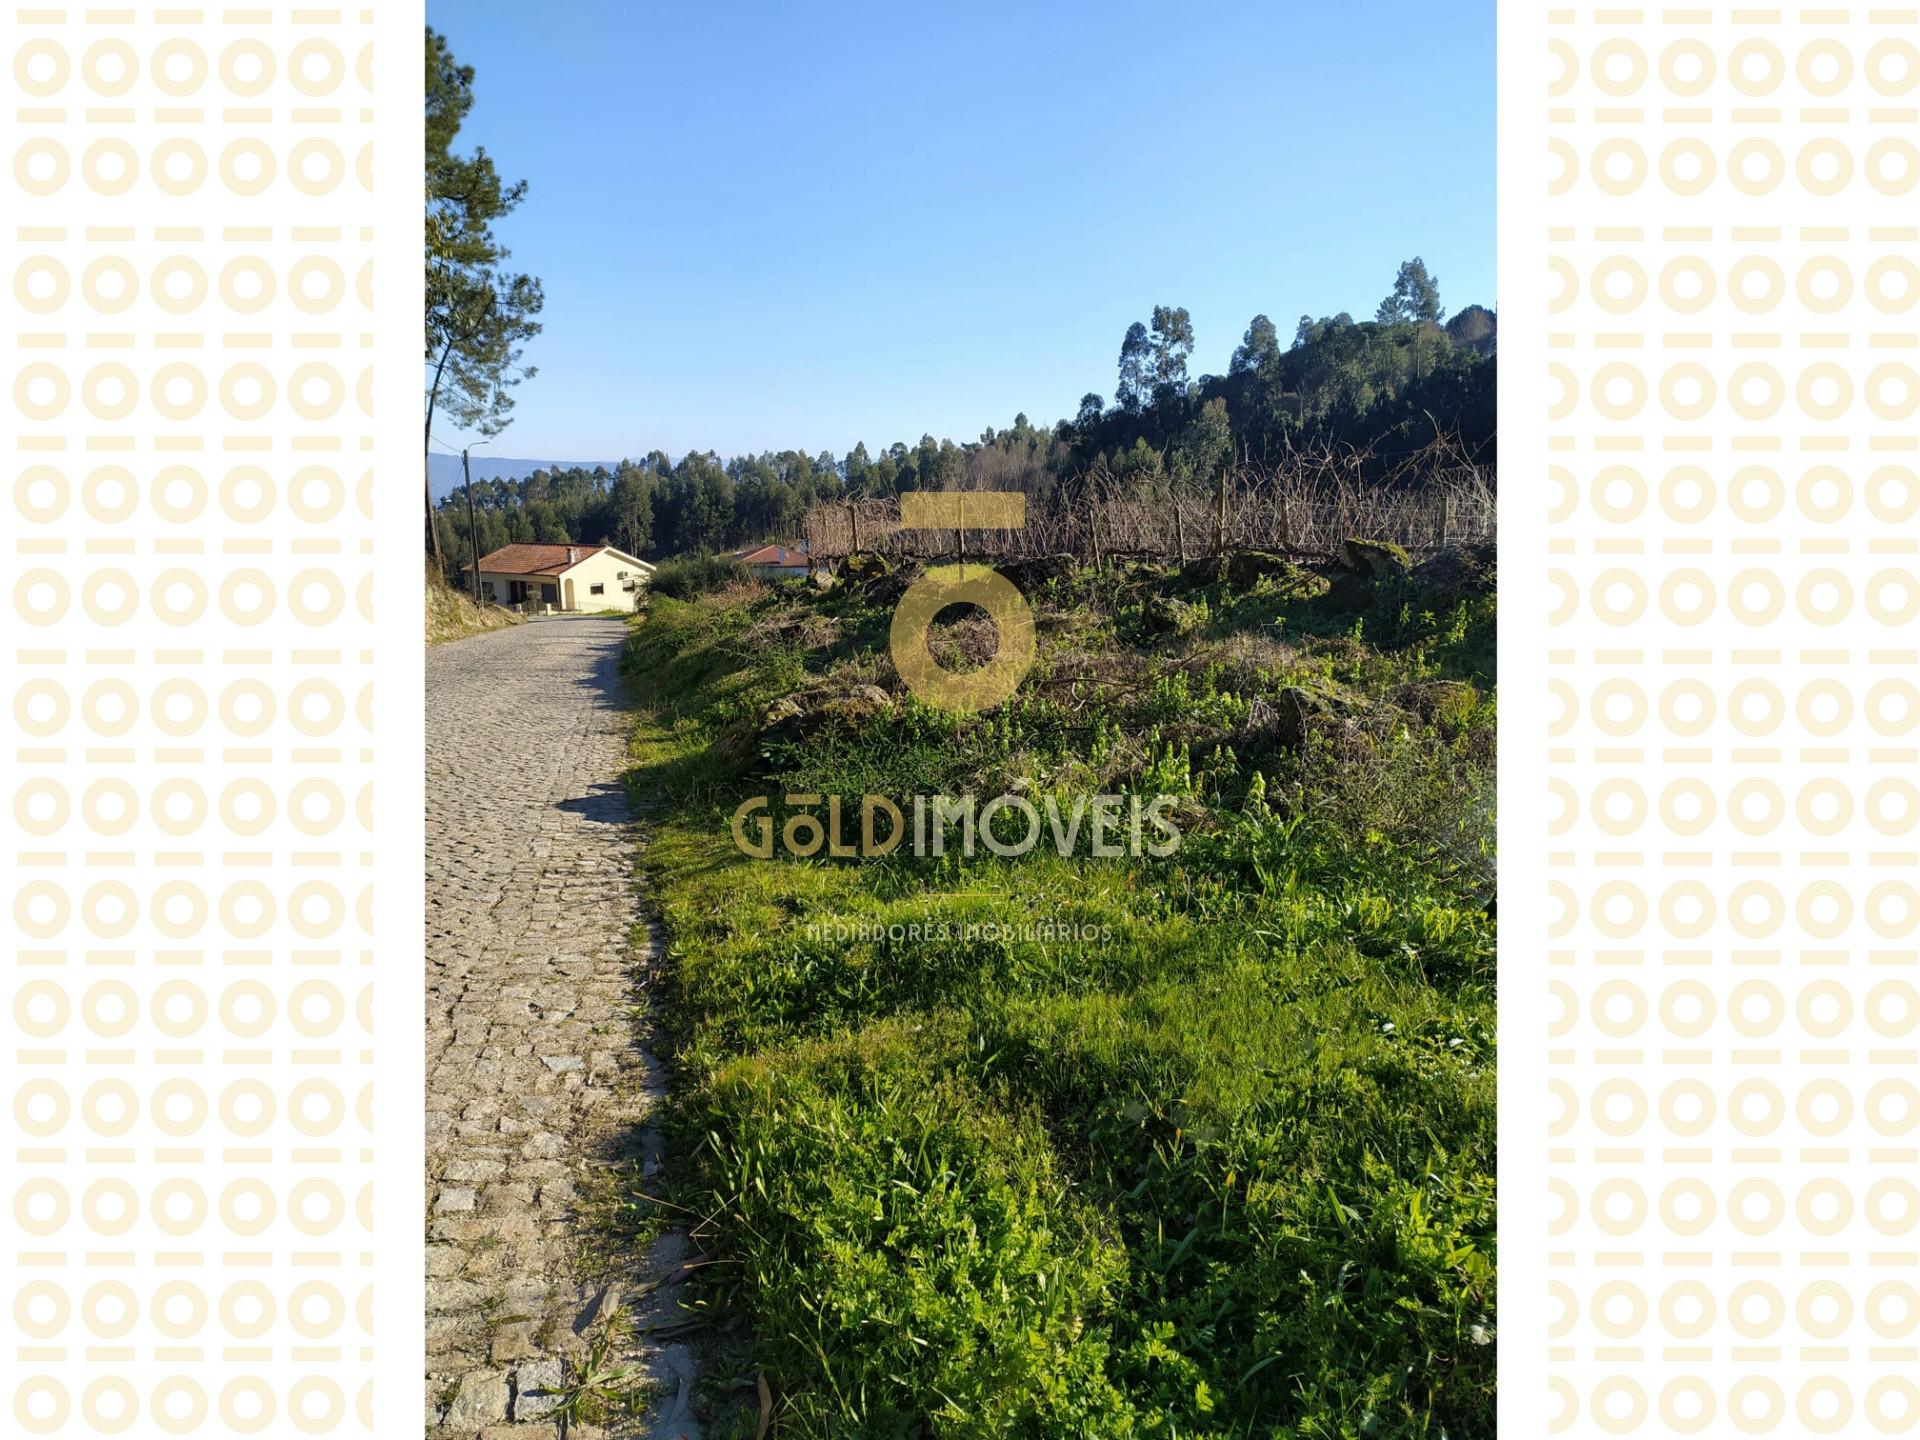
[575, 578]
[775, 562]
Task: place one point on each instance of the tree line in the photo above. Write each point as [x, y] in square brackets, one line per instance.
[1384, 386]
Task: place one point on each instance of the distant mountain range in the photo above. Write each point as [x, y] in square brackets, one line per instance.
[444, 475]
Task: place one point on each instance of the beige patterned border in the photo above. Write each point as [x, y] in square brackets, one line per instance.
[193, 214]
[1721, 989]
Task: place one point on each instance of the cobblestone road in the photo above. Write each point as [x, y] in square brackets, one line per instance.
[536, 1084]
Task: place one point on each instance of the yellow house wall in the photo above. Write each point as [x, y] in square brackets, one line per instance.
[602, 569]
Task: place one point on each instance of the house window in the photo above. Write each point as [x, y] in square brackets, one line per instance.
[596, 589]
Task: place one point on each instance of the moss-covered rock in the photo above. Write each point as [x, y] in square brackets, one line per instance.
[864, 570]
[1365, 564]
[1376, 559]
[1245, 567]
[781, 720]
[1294, 712]
[1163, 615]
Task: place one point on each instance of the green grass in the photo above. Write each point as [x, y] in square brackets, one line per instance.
[1223, 1170]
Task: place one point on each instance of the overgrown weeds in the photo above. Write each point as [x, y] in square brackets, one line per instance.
[1198, 1146]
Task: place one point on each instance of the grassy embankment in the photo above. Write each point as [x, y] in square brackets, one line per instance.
[1225, 1169]
[452, 615]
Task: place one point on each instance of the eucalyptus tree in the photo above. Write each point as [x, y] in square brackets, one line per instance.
[1414, 299]
[1259, 349]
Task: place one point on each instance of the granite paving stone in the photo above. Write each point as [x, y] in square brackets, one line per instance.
[536, 1077]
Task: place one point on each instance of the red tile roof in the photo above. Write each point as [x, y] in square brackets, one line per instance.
[779, 555]
[538, 558]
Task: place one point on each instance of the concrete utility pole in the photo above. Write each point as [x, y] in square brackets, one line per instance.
[473, 526]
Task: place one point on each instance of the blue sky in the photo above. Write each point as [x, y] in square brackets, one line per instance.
[765, 226]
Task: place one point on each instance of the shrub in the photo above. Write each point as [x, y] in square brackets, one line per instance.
[688, 576]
